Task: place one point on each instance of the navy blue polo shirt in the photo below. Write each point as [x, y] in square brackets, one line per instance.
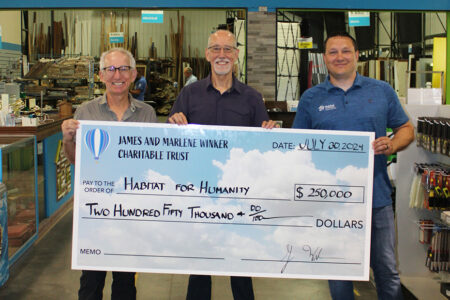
[202, 104]
[368, 105]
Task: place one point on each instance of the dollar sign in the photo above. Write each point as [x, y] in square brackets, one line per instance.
[299, 191]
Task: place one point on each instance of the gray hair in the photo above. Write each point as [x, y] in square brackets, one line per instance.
[188, 70]
[121, 50]
[224, 31]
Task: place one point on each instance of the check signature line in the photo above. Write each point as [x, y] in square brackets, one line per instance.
[302, 261]
[165, 256]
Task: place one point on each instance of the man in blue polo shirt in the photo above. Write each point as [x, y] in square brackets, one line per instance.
[220, 99]
[349, 101]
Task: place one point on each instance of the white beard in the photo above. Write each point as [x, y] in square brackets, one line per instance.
[222, 70]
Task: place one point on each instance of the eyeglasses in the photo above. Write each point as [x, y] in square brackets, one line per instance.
[217, 49]
[111, 70]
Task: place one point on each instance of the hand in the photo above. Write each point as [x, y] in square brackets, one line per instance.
[383, 145]
[178, 118]
[69, 129]
[270, 124]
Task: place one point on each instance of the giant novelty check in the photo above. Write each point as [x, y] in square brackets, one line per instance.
[222, 200]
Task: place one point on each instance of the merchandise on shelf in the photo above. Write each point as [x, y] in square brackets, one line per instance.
[438, 253]
[430, 187]
[433, 134]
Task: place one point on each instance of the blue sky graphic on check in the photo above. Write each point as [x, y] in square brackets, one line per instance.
[261, 140]
[253, 158]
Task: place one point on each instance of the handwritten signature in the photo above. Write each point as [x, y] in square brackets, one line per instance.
[313, 255]
[288, 257]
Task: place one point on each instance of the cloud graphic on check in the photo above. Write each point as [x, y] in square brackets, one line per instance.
[270, 174]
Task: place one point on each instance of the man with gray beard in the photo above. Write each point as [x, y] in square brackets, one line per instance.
[220, 99]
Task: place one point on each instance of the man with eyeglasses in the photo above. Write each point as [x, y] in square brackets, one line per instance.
[220, 99]
[117, 72]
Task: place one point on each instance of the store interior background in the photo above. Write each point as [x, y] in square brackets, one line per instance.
[269, 59]
[268, 62]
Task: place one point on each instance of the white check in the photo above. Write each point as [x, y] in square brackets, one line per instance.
[222, 200]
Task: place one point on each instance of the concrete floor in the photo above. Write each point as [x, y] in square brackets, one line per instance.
[44, 273]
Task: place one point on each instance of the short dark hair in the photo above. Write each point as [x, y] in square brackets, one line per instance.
[341, 34]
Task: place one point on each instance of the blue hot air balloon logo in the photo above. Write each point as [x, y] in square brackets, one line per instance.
[97, 140]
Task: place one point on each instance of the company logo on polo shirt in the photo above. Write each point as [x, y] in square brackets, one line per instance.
[327, 107]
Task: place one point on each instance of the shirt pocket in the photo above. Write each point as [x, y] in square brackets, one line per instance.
[236, 116]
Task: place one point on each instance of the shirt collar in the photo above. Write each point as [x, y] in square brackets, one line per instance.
[236, 85]
[356, 83]
[358, 80]
[132, 106]
[103, 100]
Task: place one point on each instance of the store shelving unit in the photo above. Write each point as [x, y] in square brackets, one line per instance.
[411, 253]
[65, 80]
